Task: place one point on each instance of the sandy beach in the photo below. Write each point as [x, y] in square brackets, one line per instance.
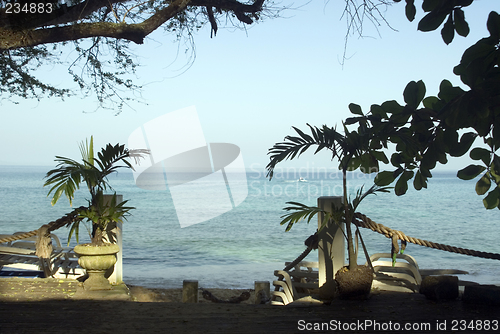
[32, 306]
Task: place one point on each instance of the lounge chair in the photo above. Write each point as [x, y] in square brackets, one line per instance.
[300, 281]
[20, 254]
[403, 276]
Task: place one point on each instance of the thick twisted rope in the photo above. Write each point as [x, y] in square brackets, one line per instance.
[311, 243]
[44, 241]
[52, 226]
[363, 221]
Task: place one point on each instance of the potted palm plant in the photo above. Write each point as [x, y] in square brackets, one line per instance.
[352, 150]
[103, 211]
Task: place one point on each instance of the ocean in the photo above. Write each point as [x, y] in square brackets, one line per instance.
[247, 243]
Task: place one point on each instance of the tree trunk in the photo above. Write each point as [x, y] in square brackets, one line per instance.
[353, 261]
[97, 236]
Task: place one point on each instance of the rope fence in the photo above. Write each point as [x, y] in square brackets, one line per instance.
[52, 226]
[360, 220]
[365, 222]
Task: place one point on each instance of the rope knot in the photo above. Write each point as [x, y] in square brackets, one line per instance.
[43, 243]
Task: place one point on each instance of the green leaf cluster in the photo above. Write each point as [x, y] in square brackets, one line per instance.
[102, 214]
[69, 174]
[298, 212]
[93, 171]
[438, 11]
[424, 131]
[353, 150]
[428, 130]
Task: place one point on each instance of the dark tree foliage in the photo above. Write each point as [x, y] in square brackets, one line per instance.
[437, 12]
[426, 130]
[33, 34]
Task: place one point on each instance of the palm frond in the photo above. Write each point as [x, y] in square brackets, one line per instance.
[75, 228]
[109, 156]
[299, 212]
[87, 151]
[65, 179]
[68, 174]
[360, 195]
[304, 212]
[294, 146]
[137, 155]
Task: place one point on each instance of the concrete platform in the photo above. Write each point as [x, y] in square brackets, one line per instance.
[37, 289]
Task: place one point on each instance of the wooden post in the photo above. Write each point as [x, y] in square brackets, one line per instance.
[116, 275]
[190, 291]
[262, 291]
[331, 248]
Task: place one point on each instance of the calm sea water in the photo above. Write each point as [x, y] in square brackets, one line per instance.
[247, 243]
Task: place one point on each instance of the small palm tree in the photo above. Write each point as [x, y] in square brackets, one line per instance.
[93, 171]
[353, 150]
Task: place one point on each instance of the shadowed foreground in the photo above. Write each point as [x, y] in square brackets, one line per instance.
[159, 311]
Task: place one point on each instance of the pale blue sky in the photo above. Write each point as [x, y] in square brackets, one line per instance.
[250, 87]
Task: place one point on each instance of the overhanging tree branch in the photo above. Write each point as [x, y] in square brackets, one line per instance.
[63, 14]
[25, 37]
[136, 32]
[133, 32]
[14, 40]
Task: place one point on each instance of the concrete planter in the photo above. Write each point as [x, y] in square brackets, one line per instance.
[96, 260]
